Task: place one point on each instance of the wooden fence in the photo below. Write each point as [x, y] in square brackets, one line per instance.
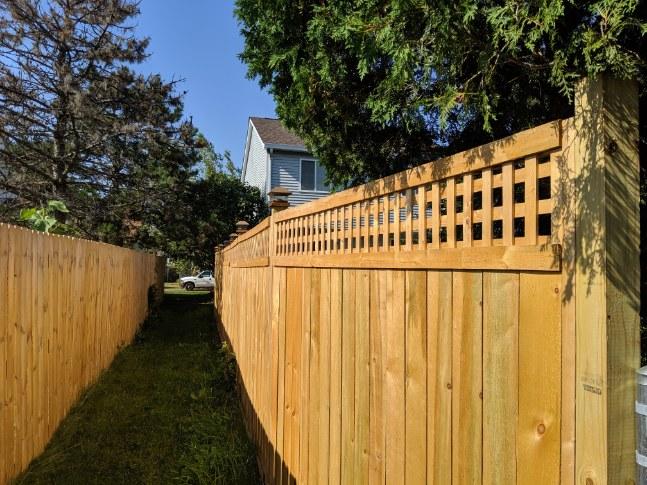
[472, 320]
[66, 308]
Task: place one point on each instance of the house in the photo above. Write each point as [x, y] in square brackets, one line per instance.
[276, 157]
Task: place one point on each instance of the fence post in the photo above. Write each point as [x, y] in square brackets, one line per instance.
[278, 202]
[242, 227]
[606, 279]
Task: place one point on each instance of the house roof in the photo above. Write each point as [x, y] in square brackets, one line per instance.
[272, 132]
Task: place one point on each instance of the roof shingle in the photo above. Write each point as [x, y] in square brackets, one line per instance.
[273, 132]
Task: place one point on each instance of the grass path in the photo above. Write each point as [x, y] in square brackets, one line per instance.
[164, 412]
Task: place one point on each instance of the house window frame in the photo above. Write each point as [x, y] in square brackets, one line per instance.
[316, 162]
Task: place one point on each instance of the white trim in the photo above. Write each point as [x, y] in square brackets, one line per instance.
[250, 126]
[641, 408]
[268, 173]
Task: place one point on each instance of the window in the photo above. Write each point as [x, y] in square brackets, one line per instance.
[307, 175]
[313, 176]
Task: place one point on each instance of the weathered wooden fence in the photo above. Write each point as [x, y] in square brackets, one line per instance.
[66, 307]
[472, 320]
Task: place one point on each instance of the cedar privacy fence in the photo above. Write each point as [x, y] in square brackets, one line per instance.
[66, 308]
[472, 320]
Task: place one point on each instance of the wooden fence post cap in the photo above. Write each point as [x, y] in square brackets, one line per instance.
[279, 192]
[279, 199]
[242, 226]
[233, 236]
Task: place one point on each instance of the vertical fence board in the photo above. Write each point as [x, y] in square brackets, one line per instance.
[467, 416]
[281, 290]
[500, 376]
[378, 323]
[348, 377]
[6, 337]
[315, 377]
[439, 377]
[321, 461]
[304, 374]
[416, 378]
[336, 356]
[362, 377]
[394, 383]
[538, 433]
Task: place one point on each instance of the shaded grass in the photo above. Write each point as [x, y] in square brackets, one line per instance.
[166, 411]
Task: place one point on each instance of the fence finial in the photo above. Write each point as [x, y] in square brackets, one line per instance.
[242, 227]
[279, 199]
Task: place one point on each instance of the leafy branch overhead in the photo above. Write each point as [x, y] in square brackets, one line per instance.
[43, 219]
[374, 87]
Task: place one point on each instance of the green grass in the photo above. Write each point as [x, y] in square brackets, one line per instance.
[166, 411]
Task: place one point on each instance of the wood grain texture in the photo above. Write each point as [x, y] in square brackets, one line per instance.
[530, 258]
[607, 299]
[416, 378]
[348, 377]
[378, 323]
[439, 377]
[500, 376]
[467, 403]
[66, 308]
[539, 427]
[394, 380]
[362, 377]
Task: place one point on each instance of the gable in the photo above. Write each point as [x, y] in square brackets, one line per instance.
[255, 163]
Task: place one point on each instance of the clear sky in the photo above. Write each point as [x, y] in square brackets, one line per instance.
[199, 40]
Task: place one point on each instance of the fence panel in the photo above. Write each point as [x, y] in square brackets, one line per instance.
[66, 307]
[436, 327]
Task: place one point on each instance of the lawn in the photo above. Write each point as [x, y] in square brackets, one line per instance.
[164, 412]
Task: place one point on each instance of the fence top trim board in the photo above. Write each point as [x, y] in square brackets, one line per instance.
[260, 227]
[535, 140]
[72, 238]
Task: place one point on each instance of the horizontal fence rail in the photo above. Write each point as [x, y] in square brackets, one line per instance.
[66, 307]
[472, 320]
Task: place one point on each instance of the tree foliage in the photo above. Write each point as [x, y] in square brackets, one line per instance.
[78, 125]
[374, 87]
[207, 208]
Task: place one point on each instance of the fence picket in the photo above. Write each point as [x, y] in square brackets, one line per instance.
[55, 333]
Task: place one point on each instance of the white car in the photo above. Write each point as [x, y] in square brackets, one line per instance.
[201, 280]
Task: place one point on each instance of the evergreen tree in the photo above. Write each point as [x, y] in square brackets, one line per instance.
[374, 87]
[78, 125]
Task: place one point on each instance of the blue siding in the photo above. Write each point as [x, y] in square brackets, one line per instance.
[286, 169]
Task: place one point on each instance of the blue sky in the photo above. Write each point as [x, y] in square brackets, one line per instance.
[199, 40]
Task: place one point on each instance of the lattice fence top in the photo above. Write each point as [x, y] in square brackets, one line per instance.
[497, 195]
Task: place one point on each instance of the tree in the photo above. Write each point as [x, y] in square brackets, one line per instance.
[78, 125]
[374, 87]
[207, 213]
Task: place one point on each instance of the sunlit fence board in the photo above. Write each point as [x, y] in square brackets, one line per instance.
[66, 308]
